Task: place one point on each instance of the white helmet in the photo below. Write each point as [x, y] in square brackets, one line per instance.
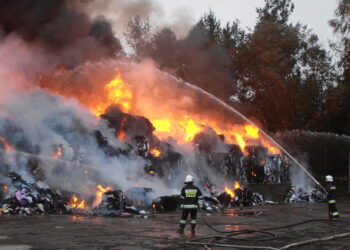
[189, 178]
[329, 178]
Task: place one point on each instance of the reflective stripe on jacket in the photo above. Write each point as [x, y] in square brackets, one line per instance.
[190, 195]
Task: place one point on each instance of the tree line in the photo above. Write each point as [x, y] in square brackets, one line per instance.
[278, 72]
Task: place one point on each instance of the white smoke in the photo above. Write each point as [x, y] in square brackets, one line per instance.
[46, 120]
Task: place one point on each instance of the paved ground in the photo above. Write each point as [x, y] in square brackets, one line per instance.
[158, 231]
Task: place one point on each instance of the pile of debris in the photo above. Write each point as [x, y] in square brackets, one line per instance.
[29, 199]
[211, 203]
[299, 195]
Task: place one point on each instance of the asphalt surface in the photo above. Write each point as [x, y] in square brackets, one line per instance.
[158, 231]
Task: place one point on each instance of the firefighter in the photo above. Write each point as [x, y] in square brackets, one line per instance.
[331, 198]
[189, 196]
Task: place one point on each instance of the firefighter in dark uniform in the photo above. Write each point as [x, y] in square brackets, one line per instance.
[331, 198]
[189, 195]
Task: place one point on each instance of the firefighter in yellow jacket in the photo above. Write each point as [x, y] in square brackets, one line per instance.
[331, 198]
[189, 195]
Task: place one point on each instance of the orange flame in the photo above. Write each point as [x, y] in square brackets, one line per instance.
[6, 145]
[162, 125]
[74, 202]
[99, 193]
[121, 135]
[175, 123]
[5, 187]
[155, 152]
[151, 172]
[58, 153]
[251, 131]
[229, 192]
[240, 140]
[190, 127]
[118, 92]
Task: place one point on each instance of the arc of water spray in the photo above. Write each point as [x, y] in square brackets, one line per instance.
[247, 120]
[159, 72]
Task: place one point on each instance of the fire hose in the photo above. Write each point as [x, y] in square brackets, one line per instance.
[231, 233]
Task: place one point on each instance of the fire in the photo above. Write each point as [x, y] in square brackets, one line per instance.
[6, 145]
[155, 152]
[74, 202]
[116, 92]
[190, 127]
[240, 141]
[162, 125]
[101, 190]
[5, 188]
[229, 192]
[251, 131]
[175, 123]
[151, 172]
[121, 135]
[58, 153]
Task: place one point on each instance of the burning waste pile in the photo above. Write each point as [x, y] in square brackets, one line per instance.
[72, 148]
[99, 139]
[82, 129]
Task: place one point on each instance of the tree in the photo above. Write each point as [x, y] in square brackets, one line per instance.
[283, 71]
[202, 59]
[164, 48]
[138, 37]
[275, 11]
[339, 98]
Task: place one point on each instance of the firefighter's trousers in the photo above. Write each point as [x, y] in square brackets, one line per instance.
[184, 216]
[332, 209]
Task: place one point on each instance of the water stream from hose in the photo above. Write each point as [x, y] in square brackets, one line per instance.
[232, 110]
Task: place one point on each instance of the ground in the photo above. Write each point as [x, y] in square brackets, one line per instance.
[158, 231]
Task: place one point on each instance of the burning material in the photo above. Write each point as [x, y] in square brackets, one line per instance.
[116, 92]
[99, 193]
[58, 152]
[112, 135]
[5, 144]
[76, 203]
[155, 152]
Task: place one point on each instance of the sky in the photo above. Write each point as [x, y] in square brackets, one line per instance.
[313, 13]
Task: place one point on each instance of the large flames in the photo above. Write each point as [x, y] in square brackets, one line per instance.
[175, 123]
[116, 92]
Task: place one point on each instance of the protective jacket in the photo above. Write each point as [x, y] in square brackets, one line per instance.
[190, 195]
[331, 192]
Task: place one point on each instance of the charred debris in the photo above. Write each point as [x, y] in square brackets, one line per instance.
[31, 195]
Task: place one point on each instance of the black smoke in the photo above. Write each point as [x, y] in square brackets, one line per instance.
[61, 28]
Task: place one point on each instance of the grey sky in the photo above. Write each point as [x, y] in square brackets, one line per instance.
[313, 13]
